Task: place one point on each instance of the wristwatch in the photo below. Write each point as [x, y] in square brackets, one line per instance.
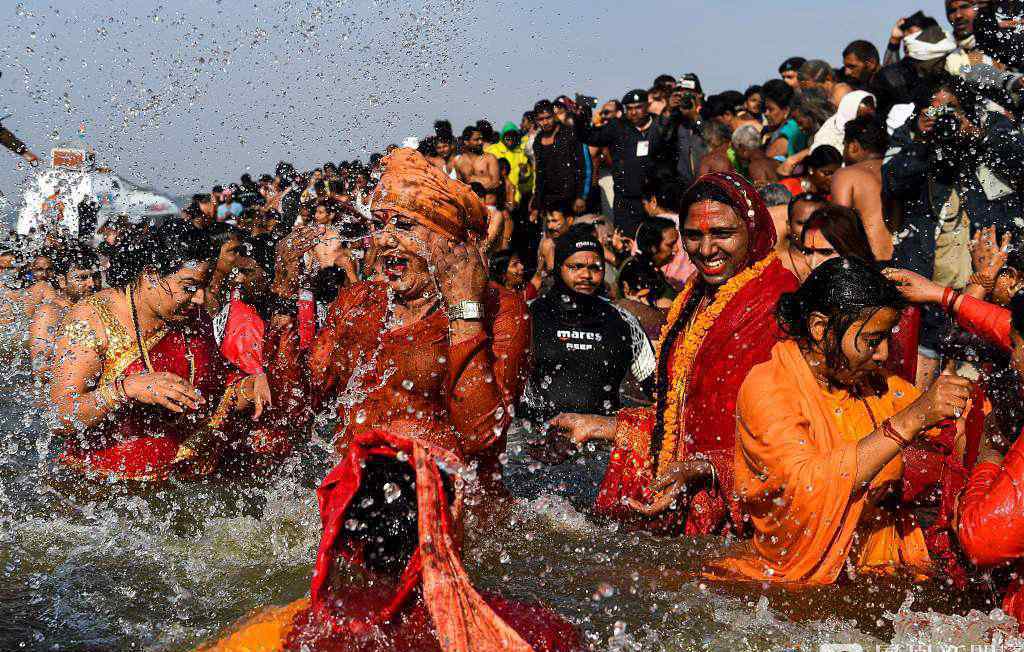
[466, 311]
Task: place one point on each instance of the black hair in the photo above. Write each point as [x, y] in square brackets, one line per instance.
[639, 274]
[165, 250]
[543, 106]
[779, 92]
[702, 191]
[650, 234]
[75, 256]
[955, 86]
[479, 189]
[809, 197]
[387, 525]
[844, 290]
[751, 91]
[498, 264]
[665, 189]
[791, 64]
[716, 106]
[920, 20]
[504, 166]
[1017, 313]
[217, 188]
[867, 132]
[844, 230]
[664, 80]
[823, 156]
[468, 131]
[734, 99]
[863, 50]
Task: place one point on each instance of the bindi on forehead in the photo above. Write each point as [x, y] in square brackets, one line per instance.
[707, 215]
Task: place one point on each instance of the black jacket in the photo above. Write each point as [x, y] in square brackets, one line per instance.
[560, 170]
[630, 164]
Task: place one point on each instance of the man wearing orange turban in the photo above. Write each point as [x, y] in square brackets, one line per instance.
[424, 368]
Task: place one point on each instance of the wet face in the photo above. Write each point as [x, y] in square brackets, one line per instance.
[583, 272]
[716, 240]
[403, 255]
[775, 114]
[636, 114]
[561, 114]
[816, 248]
[865, 347]
[515, 274]
[961, 15]
[329, 248]
[792, 78]
[668, 248]
[41, 268]
[856, 69]
[251, 279]
[556, 224]
[754, 104]
[474, 144]
[546, 122]
[801, 212]
[322, 215]
[229, 253]
[821, 178]
[173, 298]
[78, 283]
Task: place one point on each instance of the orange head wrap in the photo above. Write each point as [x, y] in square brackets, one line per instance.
[412, 186]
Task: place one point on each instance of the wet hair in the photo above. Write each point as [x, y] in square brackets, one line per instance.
[868, 133]
[863, 50]
[497, 267]
[953, 85]
[779, 92]
[165, 250]
[809, 197]
[217, 189]
[716, 106]
[639, 274]
[651, 233]
[844, 230]
[844, 290]
[791, 64]
[467, 133]
[823, 156]
[75, 256]
[775, 194]
[387, 526]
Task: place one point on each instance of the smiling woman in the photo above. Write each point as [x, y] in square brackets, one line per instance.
[137, 371]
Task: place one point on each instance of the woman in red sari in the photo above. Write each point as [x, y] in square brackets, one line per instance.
[138, 384]
[672, 466]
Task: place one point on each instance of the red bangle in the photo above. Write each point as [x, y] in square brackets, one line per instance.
[950, 309]
[944, 303]
[889, 432]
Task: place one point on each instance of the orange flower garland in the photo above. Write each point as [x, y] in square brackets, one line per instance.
[684, 354]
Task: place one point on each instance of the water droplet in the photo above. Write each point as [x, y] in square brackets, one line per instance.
[391, 492]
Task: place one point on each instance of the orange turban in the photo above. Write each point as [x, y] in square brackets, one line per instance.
[412, 186]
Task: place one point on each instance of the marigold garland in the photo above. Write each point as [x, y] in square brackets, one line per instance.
[684, 354]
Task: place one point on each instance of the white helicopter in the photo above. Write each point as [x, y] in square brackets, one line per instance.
[53, 196]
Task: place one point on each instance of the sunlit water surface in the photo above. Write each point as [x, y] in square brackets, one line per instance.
[168, 570]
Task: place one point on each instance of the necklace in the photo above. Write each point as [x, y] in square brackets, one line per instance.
[145, 354]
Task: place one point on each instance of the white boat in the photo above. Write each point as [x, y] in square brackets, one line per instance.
[53, 196]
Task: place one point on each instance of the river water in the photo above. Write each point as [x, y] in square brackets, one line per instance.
[169, 570]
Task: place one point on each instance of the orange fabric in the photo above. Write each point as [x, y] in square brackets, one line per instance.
[459, 396]
[796, 465]
[265, 631]
[412, 186]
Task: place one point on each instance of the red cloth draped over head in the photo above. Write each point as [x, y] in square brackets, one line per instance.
[463, 619]
[741, 336]
[412, 186]
[747, 203]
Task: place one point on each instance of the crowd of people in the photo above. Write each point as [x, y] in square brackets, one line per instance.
[789, 314]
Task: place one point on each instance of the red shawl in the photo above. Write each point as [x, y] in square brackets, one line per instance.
[741, 336]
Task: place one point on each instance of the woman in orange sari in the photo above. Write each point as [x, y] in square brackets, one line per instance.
[820, 428]
[139, 385]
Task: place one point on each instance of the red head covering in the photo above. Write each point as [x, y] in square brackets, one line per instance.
[412, 186]
[747, 203]
[463, 620]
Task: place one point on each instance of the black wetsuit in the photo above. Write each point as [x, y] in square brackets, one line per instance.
[583, 347]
